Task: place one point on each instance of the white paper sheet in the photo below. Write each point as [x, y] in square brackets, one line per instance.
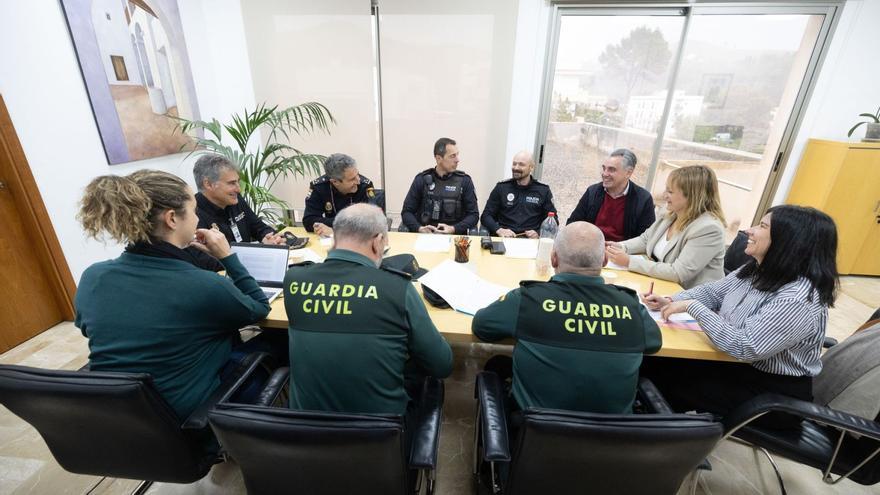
[521, 248]
[326, 241]
[432, 243]
[614, 266]
[305, 254]
[461, 288]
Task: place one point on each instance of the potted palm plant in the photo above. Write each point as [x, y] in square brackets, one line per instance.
[262, 164]
[872, 126]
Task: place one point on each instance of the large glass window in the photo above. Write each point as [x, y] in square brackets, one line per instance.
[719, 98]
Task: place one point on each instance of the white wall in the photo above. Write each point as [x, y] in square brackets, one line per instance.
[41, 83]
[847, 85]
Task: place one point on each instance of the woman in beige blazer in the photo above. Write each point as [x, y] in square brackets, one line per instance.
[687, 244]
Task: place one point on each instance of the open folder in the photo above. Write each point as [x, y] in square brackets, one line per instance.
[464, 290]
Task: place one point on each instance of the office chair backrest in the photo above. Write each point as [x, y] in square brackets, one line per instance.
[570, 452]
[285, 451]
[735, 256]
[104, 424]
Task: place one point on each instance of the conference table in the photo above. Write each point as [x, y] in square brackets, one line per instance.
[505, 271]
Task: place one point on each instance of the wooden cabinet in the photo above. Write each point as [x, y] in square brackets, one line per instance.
[843, 180]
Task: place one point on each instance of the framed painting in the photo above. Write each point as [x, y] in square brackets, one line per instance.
[134, 62]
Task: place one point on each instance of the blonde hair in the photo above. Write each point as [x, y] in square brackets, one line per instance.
[700, 186]
[129, 209]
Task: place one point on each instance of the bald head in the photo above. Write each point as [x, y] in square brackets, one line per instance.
[361, 228]
[523, 165]
[579, 246]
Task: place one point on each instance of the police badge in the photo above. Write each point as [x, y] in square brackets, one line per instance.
[328, 206]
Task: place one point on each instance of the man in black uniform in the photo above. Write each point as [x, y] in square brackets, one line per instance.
[340, 186]
[220, 206]
[518, 205]
[441, 199]
[579, 341]
[358, 332]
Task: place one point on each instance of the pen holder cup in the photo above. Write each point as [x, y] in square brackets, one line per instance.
[462, 249]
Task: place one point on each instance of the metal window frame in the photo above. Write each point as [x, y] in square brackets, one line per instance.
[829, 9]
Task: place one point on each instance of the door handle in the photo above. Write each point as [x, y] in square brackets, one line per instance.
[2, 186]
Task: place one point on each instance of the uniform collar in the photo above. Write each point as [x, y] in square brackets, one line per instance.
[578, 278]
[203, 202]
[531, 181]
[350, 256]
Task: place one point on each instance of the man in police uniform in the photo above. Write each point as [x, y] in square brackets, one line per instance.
[220, 206]
[441, 199]
[518, 205]
[339, 187]
[357, 332]
[579, 342]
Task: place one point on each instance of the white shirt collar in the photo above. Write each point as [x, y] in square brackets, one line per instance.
[625, 191]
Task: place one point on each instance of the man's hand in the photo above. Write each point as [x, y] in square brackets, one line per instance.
[612, 243]
[445, 229]
[617, 256]
[505, 233]
[212, 242]
[273, 238]
[675, 307]
[531, 234]
[323, 230]
[428, 229]
[655, 302]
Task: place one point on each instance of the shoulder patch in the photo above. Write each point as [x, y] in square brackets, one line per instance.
[399, 273]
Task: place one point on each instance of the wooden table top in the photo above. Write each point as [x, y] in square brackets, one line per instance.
[456, 327]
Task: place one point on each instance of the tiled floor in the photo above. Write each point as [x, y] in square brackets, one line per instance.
[26, 466]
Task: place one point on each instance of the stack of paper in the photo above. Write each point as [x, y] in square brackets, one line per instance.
[461, 288]
[521, 248]
[432, 243]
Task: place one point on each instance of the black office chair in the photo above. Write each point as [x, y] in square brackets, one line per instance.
[280, 450]
[735, 255]
[827, 439]
[117, 424]
[557, 451]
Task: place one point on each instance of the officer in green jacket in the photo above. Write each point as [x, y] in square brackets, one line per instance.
[579, 341]
[357, 332]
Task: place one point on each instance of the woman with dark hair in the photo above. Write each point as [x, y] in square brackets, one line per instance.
[771, 313]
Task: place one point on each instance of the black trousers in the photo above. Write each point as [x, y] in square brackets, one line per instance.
[719, 387]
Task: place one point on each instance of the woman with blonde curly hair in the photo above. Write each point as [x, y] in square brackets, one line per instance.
[686, 245]
[152, 309]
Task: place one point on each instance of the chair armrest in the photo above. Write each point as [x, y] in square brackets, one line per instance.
[829, 342]
[757, 407]
[652, 398]
[273, 387]
[426, 433]
[198, 420]
[493, 421]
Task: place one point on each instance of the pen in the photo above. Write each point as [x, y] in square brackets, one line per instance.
[651, 289]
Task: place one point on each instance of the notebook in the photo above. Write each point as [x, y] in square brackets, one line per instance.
[266, 263]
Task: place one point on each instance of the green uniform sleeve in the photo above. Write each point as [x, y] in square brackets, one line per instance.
[243, 304]
[497, 321]
[653, 337]
[427, 347]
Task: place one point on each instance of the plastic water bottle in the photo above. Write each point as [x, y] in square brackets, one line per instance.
[549, 228]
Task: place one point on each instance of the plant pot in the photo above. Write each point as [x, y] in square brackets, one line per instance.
[872, 132]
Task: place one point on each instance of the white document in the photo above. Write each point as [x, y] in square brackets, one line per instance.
[305, 254]
[521, 248]
[679, 317]
[462, 289]
[614, 266]
[432, 243]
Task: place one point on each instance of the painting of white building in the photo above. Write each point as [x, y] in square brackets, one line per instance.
[134, 62]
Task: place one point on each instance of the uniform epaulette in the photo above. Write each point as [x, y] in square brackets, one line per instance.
[320, 180]
[526, 283]
[426, 171]
[506, 181]
[365, 180]
[397, 272]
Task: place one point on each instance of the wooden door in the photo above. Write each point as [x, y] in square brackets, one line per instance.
[36, 288]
